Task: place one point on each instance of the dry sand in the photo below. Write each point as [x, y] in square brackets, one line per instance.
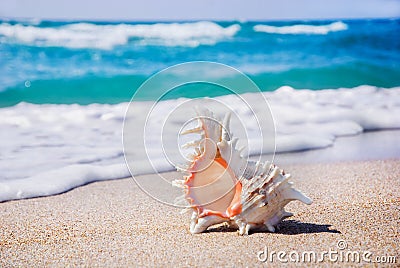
[114, 224]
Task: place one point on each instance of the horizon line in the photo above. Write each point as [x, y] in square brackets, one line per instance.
[190, 20]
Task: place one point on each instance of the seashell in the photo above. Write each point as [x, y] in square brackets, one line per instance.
[222, 186]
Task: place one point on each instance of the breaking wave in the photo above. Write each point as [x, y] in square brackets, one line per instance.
[302, 28]
[89, 35]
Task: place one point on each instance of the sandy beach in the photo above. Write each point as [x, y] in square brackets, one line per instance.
[114, 224]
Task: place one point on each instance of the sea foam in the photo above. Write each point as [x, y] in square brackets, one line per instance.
[48, 149]
[302, 28]
[89, 35]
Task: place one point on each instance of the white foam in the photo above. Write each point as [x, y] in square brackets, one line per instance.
[49, 149]
[60, 180]
[88, 35]
[302, 28]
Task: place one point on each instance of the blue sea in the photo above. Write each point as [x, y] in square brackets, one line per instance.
[65, 88]
[105, 62]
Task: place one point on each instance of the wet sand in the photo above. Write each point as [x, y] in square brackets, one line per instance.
[114, 224]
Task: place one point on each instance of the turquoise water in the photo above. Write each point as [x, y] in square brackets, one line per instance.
[104, 62]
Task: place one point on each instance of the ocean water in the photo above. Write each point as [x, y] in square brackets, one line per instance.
[87, 62]
[65, 87]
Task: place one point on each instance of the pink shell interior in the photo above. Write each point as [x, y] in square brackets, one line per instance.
[214, 190]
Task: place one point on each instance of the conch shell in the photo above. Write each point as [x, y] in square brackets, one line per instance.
[222, 186]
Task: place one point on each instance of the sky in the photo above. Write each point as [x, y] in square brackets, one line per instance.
[198, 10]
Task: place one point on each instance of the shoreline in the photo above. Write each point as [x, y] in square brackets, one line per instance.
[366, 146]
[40, 141]
[113, 223]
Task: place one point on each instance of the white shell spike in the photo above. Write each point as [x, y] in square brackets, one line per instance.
[222, 186]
